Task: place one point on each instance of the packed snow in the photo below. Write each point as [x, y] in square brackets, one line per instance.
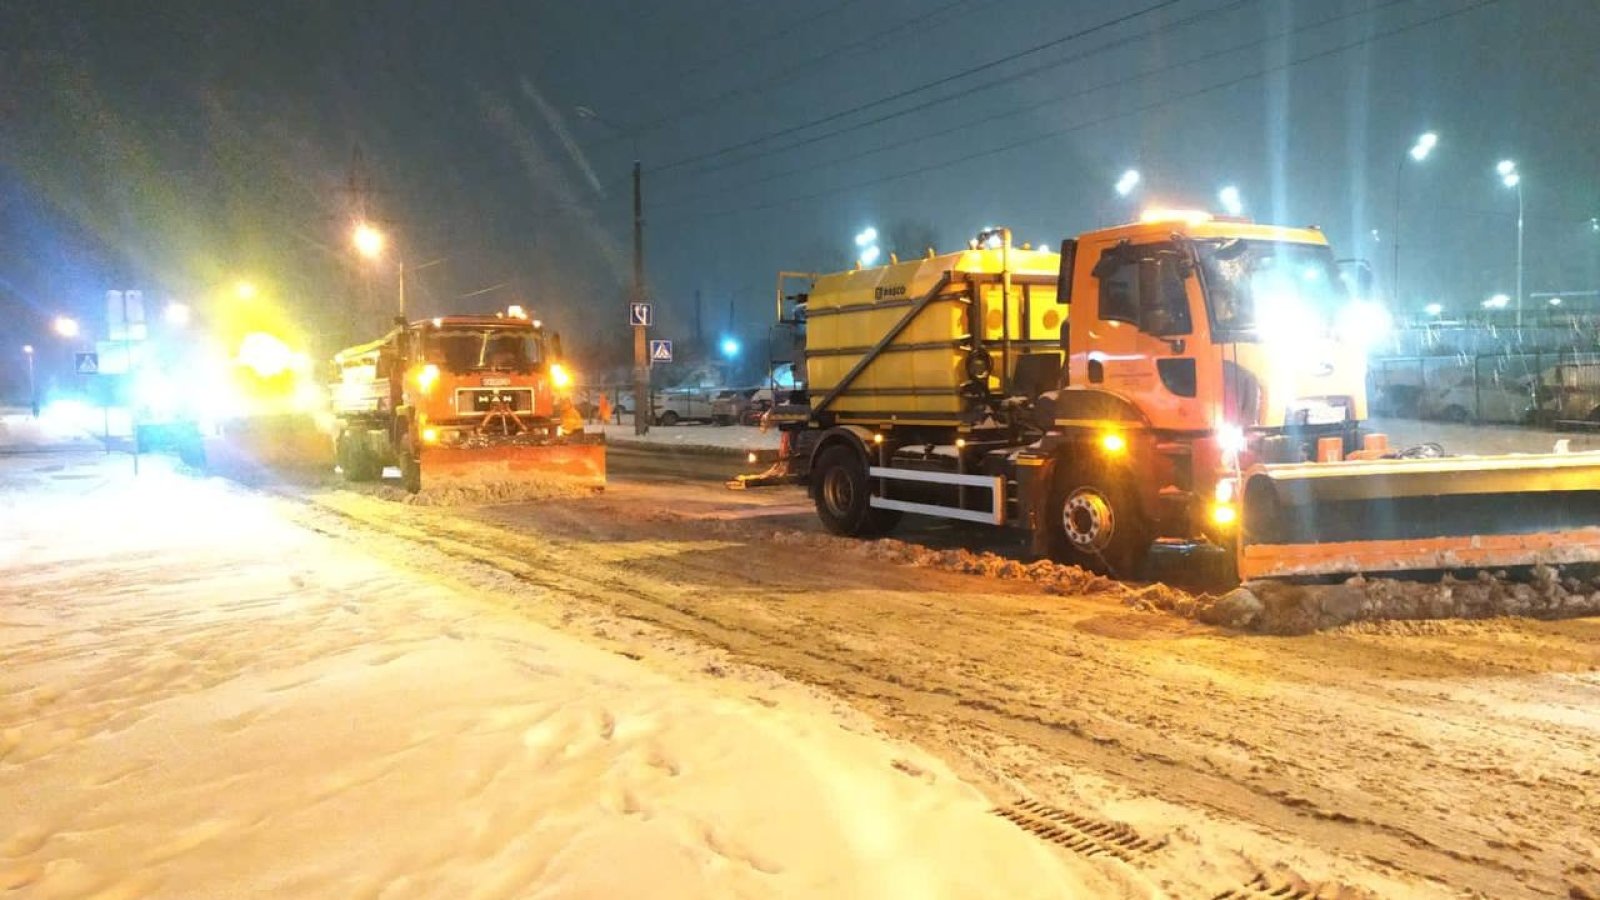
[201, 698]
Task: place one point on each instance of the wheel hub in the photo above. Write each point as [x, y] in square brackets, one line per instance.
[1088, 520]
[837, 491]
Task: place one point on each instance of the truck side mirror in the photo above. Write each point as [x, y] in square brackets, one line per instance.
[1069, 256]
[555, 346]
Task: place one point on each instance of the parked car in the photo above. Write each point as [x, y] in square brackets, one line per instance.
[1569, 393]
[760, 402]
[676, 405]
[730, 405]
[1463, 400]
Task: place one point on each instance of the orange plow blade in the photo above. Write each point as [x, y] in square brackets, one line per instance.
[1470, 512]
[577, 462]
[250, 449]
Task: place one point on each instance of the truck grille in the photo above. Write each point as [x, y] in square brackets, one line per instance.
[484, 399]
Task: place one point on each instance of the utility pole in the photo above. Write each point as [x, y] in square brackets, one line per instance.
[699, 320]
[642, 405]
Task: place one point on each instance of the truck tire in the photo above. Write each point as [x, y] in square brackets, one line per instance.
[356, 458]
[1095, 521]
[842, 495]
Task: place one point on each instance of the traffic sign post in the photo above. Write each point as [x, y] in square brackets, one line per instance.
[660, 352]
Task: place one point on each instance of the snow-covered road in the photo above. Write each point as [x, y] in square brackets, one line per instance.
[201, 698]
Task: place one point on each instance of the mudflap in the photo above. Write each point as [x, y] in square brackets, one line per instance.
[1419, 515]
[578, 461]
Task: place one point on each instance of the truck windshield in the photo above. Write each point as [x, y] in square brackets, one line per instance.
[1254, 287]
[462, 350]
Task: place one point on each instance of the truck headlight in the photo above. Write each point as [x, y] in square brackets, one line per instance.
[559, 376]
[1224, 513]
[427, 376]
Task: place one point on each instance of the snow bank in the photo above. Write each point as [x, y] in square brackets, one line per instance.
[1265, 607]
[215, 702]
[481, 491]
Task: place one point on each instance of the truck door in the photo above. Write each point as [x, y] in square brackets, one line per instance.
[1142, 343]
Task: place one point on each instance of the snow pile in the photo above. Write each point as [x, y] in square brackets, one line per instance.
[1273, 607]
[483, 492]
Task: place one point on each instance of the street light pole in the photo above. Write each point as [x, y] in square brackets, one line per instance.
[642, 405]
[1419, 152]
[1519, 253]
[33, 390]
[1511, 178]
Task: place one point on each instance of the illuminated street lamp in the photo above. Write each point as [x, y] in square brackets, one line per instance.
[1498, 301]
[1128, 181]
[1232, 202]
[1419, 152]
[176, 314]
[867, 246]
[730, 347]
[368, 241]
[66, 327]
[1511, 178]
[244, 290]
[1433, 309]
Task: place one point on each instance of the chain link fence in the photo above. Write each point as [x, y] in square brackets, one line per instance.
[1555, 387]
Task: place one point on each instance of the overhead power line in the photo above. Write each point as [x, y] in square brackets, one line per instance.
[992, 83]
[1078, 126]
[899, 28]
[1011, 57]
[1030, 107]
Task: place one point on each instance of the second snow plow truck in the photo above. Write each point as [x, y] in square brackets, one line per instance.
[1186, 379]
[462, 399]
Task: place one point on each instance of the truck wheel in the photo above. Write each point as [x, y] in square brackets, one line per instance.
[668, 418]
[1095, 522]
[356, 459]
[842, 495]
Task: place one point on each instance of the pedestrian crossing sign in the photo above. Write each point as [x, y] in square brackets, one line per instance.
[661, 351]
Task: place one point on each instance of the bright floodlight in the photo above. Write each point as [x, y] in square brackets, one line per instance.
[67, 328]
[244, 290]
[866, 237]
[869, 256]
[1498, 301]
[368, 240]
[177, 314]
[27, 349]
[1424, 145]
[1128, 181]
[1232, 203]
[1506, 167]
[730, 347]
[1433, 309]
[1511, 180]
[1555, 301]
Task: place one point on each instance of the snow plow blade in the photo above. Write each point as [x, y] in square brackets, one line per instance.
[579, 461]
[1396, 515]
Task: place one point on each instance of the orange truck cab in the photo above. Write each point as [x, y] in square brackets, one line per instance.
[456, 397]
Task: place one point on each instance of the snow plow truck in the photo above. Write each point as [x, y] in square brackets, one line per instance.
[1188, 380]
[460, 399]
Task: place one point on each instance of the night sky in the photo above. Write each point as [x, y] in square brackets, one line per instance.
[181, 146]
